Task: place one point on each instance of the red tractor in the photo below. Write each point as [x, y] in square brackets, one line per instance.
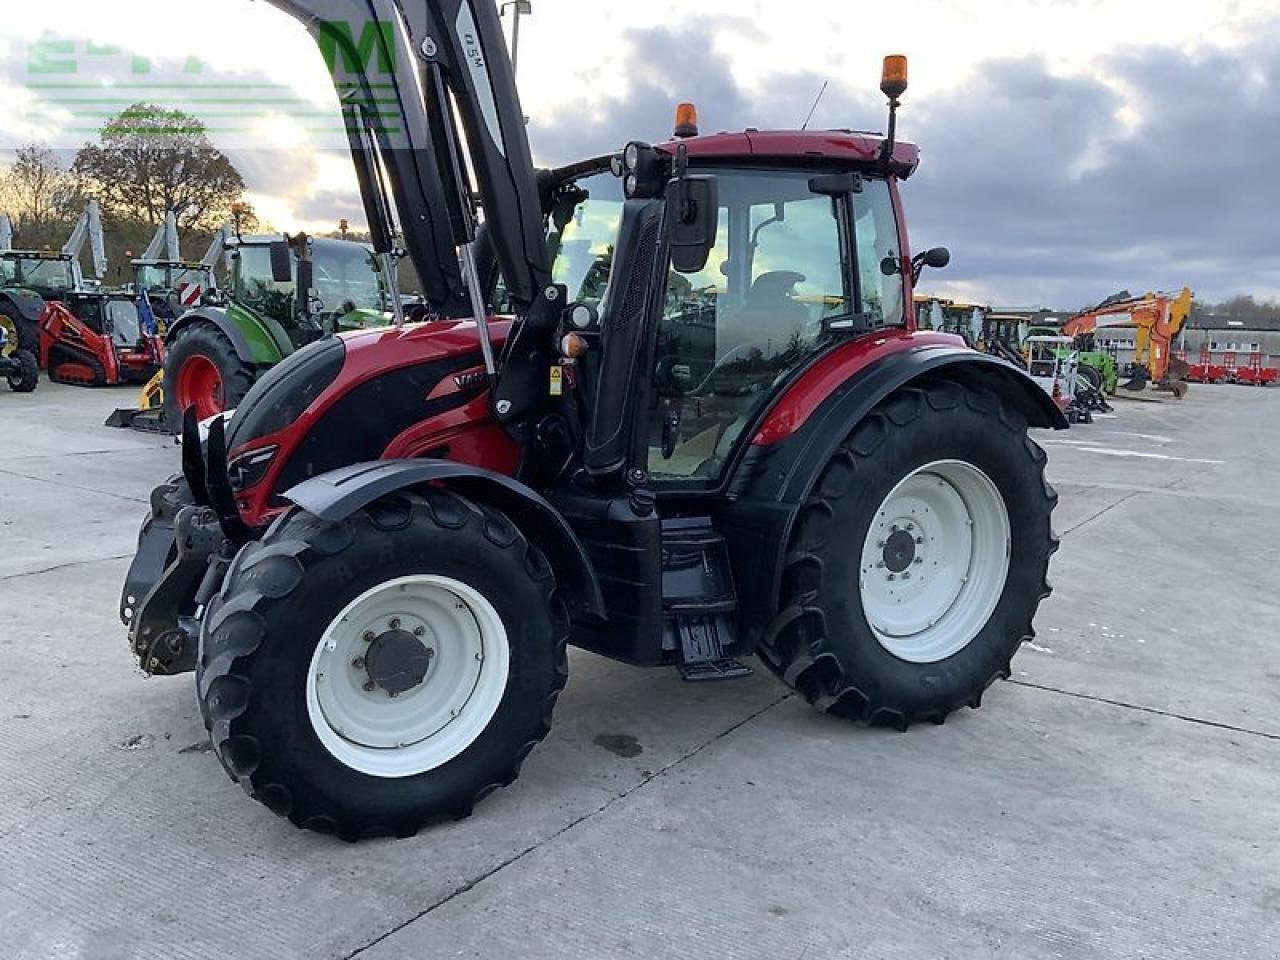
[707, 428]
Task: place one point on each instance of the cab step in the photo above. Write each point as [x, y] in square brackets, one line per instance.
[698, 601]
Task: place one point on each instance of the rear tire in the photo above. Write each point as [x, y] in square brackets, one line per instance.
[27, 378]
[315, 732]
[924, 462]
[202, 346]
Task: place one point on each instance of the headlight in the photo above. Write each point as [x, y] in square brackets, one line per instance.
[248, 469]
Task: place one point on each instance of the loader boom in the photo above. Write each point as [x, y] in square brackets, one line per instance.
[88, 229]
[455, 110]
[165, 241]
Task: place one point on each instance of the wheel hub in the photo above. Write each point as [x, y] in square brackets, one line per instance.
[398, 661]
[899, 551]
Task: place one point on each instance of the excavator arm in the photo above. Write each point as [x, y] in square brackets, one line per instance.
[1156, 319]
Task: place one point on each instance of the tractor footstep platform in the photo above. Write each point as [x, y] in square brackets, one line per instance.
[726, 668]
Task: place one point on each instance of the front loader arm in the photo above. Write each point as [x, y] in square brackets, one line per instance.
[428, 93]
[379, 80]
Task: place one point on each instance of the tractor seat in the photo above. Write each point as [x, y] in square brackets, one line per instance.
[769, 312]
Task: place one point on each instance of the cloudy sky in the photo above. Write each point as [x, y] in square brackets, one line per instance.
[1070, 147]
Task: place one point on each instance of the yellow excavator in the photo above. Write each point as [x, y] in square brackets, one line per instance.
[1157, 318]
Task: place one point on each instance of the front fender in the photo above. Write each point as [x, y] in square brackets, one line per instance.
[28, 303]
[338, 494]
[253, 342]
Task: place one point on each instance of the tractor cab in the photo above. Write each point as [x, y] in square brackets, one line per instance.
[349, 292]
[794, 265]
[48, 274]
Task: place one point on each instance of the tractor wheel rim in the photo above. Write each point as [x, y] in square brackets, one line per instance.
[935, 561]
[407, 676]
[200, 386]
[10, 338]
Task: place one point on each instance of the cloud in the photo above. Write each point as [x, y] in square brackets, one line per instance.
[1050, 188]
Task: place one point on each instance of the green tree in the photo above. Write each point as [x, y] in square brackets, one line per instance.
[149, 160]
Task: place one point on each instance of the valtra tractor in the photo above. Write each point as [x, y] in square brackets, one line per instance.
[709, 429]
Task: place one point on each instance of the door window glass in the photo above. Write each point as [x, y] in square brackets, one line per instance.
[771, 289]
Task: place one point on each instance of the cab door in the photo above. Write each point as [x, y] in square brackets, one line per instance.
[794, 271]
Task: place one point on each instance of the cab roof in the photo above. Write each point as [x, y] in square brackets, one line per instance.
[838, 146]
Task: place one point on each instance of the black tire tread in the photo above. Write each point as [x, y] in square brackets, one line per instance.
[267, 571]
[794, 646]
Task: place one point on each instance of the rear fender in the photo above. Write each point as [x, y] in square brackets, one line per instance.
[774, 480]
[28, 304]
[253, 342]
[338, 494]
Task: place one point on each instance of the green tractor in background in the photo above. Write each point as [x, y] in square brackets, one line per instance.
[1096, 366]
[282, 293]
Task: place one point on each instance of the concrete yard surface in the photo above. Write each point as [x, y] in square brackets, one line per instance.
[1118, 797]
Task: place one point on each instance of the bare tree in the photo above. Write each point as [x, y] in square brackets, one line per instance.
[149, 160]
[40, 195]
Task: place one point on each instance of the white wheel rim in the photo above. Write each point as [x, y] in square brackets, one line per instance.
[368, 729]
[935, 561]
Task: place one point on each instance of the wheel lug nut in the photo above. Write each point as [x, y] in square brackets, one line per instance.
[892, 577]
[429, 653]
[419, 631]
[367, 686]
[358, 663]
[392, 694]
[919, 539]
[879, 563]
[394, 623]
[369, 636]
[906, 574]
[919, 560]
[880, 543]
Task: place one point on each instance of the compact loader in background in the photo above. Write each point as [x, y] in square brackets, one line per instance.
[709, 428]
[1156, 319]
[164, 288]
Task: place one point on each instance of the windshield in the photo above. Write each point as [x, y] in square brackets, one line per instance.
[583, 227]
[44, 274]
[347, 278]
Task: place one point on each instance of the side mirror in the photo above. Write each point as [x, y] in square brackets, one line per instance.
[281, 261]
[693, 217]
[935, 257]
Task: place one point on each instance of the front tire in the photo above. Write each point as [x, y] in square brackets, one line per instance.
[371, 676]
[918, 563]
[203, 370]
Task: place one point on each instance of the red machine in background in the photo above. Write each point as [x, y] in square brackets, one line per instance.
[1209, 369]
[87, 335]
